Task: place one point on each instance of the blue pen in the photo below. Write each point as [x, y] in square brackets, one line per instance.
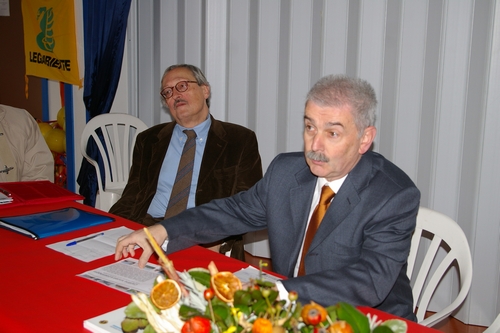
[84, 239]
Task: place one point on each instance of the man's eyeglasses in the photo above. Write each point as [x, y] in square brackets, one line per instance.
[181, 86]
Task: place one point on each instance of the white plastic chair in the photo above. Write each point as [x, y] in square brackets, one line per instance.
[494, 327]
[441, 230]
[119, 132]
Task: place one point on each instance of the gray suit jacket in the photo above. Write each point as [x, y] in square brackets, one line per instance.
[360, 250]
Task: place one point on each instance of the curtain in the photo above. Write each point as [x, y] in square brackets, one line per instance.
[105, 26]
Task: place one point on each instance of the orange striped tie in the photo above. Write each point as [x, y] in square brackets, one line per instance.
[327, 195]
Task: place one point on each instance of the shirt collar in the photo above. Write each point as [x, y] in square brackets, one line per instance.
[200, 129]
[334, 185]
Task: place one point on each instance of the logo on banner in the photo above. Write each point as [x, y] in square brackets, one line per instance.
[50, 40]
[45, 39]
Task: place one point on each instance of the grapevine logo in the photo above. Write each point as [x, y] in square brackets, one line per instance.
[45, 38]
[46, 42]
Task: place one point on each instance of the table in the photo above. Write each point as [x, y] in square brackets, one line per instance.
[42, 292]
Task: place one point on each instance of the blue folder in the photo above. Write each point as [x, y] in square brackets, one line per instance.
[54, 222]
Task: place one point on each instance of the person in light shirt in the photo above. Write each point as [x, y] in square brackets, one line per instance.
[24, 154]
[359, 252]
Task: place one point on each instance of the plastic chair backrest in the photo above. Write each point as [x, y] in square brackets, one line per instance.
[494, 327]
[444, 235]
[114, 135]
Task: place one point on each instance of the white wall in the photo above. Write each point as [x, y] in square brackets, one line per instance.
[433, 64]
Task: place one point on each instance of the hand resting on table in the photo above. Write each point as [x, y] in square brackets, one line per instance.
[125, 244]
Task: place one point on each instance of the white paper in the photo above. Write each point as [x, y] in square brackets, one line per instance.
[109, 322]
[92, 249]
[250, 272]
[126, 276]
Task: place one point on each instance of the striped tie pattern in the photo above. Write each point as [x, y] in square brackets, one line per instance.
[182, 185]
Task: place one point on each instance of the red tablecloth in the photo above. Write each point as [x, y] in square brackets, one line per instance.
[41, 291]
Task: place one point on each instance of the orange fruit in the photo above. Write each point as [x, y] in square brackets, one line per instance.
[313, 314]
[262, 325]
[340, 327]
[165, 294]
[225, 285]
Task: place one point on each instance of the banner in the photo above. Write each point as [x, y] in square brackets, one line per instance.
[50, 43]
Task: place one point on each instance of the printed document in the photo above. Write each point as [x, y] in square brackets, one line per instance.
[125, 275]
[88, 248]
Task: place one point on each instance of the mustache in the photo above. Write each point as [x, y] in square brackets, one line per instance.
[317, 156]
[179, 100]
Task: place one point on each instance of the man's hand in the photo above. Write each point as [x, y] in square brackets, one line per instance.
[125, 245]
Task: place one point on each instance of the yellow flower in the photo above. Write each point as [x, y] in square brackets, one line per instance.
[230, 329]
[235, 311]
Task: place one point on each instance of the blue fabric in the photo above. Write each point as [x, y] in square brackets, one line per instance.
[105, 26]
[171, 162]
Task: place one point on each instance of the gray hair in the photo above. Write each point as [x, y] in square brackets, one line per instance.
[342, 90]
[198, 76]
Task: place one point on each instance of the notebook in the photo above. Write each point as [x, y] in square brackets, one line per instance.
[106, 323]
[41, 225]
[35, 192]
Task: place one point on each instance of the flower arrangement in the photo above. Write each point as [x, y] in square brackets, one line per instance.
[208, 301]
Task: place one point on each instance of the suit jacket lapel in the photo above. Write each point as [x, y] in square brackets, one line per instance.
[345, 200]
[214, 149]
[300, 204]
[341, 207]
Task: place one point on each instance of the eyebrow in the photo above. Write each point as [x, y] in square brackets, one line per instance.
[328, 124]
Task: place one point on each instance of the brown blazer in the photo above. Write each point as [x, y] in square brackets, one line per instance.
[231, 164]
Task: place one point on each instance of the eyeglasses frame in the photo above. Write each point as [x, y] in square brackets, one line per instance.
[183, 81]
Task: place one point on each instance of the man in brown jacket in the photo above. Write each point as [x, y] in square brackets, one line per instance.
[227, 158]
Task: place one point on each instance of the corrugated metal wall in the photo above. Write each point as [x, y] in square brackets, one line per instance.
[433, 64]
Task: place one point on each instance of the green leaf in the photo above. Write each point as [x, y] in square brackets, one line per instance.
[222, 314]
[242, 297]
[200, 276]
[382, 329]
[265, 284]
[396, 325]
[332, 312]
[273, 295]
[186, 312]
[256, 294]
[149, 329]
[243, 309]
[357, 320]
[260, 307]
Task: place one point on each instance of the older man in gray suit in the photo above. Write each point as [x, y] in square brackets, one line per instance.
[358, 254]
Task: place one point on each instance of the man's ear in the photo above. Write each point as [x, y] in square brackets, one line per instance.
[367, 139]
[206, 91]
